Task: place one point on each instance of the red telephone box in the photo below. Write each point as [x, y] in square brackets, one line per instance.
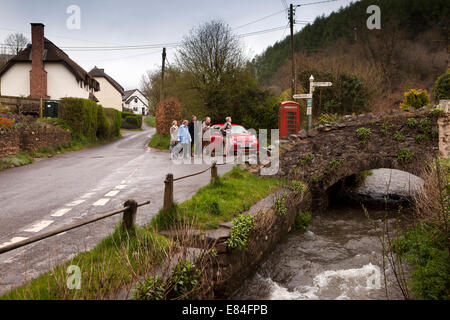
[288, 118]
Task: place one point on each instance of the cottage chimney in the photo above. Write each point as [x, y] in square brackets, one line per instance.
[38, 76]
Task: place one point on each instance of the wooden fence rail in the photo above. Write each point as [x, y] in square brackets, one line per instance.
[168, 184]
[128, 222]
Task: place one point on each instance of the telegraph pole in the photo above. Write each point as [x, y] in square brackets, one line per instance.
[162, 97]
[291, 24]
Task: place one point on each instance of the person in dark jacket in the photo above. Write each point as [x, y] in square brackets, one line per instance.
[191, 130]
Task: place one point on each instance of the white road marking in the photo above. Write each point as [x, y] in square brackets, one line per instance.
[13, 240]
[101, 202]
[76, 202]
[121, 186]
[87, 195]
[39, 226]
[60, 212]
[112, 193]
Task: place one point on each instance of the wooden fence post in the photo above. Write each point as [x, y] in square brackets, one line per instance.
[168, 192]
[213, 172]
[129, 215]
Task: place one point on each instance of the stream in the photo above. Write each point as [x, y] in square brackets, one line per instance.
[339, 257]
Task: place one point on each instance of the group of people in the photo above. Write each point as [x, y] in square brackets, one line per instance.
[181, 137]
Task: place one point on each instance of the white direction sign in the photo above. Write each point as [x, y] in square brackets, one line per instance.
[302, 96]
[322, 84]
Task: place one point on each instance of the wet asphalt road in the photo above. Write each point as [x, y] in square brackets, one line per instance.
[66, 188]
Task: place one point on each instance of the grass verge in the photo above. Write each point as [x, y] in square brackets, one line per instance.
[116, 261]
[160, 141]
[15, 160]
[224, 200]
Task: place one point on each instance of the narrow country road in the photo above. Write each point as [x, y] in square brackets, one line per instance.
[66, 188]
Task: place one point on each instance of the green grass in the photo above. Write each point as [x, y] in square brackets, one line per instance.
[115, 261]
[15, 160]
[150, 120]
[231, 195]
[160, 141]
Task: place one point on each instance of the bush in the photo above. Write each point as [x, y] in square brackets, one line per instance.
[441, 89]
[185, 279]
[415, 99]
[104, 124]
[131, 120]
[242, 226]
[302, 221]
[425, 247]
[326, 118]
[115, 118]
[131, 123]
[152, 288]
[82, 117]
[167, 111]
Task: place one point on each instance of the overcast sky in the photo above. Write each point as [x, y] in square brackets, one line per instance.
[133, 22]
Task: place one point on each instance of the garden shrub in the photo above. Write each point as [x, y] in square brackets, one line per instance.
[441, 89]
[415, 99]
[5, 123]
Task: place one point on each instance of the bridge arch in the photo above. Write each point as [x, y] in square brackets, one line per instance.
[327, 154]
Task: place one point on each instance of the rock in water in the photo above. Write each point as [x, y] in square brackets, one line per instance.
[398, 185]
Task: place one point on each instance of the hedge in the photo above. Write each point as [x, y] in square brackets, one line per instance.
[131, 120]
[89, 121]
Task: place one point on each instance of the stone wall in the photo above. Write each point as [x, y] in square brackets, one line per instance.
[41, 137]
[32, 139]
[9, 142]
[230, 267]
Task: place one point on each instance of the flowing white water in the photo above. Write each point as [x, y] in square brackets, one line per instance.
[339, 258]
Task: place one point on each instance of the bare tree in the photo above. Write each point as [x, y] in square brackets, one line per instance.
[209, 53]
[16, 42]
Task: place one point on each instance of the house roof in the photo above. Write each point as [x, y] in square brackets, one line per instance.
[131, 98]
[96, 72]
[128, 93]
[53, 54]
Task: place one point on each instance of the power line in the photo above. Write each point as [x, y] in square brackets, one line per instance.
[312, 3]
[270, 15]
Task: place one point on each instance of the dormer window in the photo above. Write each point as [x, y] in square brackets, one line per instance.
[135, 100]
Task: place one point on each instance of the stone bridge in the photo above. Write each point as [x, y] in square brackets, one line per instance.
[328, 154]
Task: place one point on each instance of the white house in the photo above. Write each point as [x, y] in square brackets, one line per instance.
[111, 92]
[42, 70]
[135, 101]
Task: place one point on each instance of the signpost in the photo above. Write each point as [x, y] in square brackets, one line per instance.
[309, 96]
